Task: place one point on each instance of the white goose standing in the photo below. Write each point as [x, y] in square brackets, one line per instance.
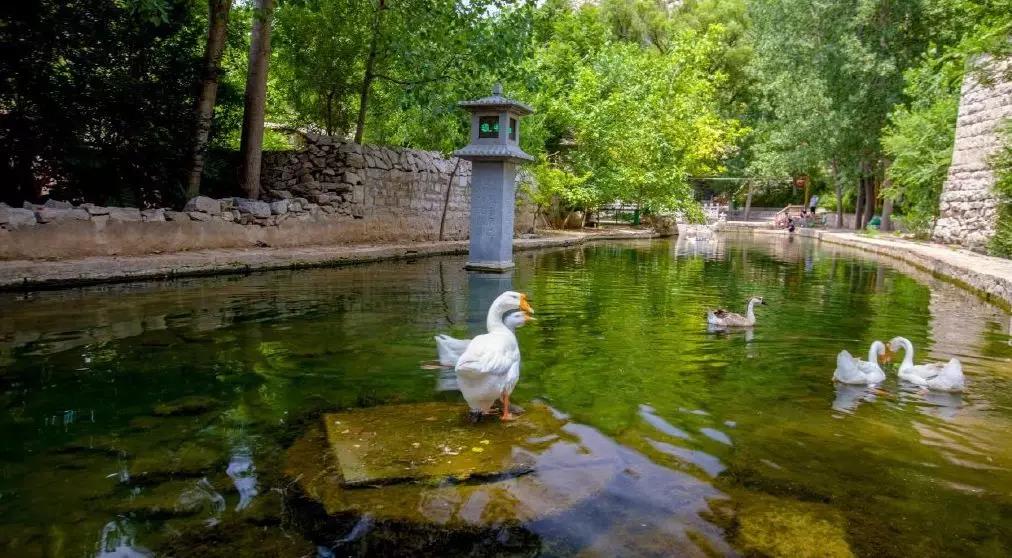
[940, 376]
[490, 366]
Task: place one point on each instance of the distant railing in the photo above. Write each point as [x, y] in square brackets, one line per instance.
[800, 216]
[615, 213]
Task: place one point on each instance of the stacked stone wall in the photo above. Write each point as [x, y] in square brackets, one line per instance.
[401, 191]
[327, 192]
[968, 206]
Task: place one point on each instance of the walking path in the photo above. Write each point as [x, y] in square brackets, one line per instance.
[37, 274]
[989, 277]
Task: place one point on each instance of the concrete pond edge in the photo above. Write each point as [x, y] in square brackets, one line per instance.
[29, 275]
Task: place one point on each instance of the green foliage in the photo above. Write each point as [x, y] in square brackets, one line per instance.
[1001, 243]
[429, 55]
[634, 98]
[919, 139]
[555, 182]
[96, 98]
[318, 74]
[632, 113]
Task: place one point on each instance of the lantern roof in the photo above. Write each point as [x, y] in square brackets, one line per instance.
[496, 101]
[492, 152]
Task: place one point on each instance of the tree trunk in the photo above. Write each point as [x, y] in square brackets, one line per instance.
[869, 194]
[838, 188]
[748, 202]
[252, 141]
[330, 113]
[857, 204]
[446, 199]
[215, 47]
[370, 71]
[887, 203]
[887, 212]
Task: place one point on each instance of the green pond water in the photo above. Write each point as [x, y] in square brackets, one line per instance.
[183, 418]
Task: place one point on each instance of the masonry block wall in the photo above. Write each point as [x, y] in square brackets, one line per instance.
[400, 191]
[968, 205]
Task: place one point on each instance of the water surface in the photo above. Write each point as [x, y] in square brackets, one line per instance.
[160, 418]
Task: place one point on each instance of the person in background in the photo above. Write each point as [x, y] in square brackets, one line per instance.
[812, 203]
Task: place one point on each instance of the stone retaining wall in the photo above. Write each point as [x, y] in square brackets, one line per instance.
[400, 188]
[328, 192]
[968, 205]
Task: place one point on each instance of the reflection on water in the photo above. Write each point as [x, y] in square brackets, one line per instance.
[154, 418]
[117, 541]
[849, 397]
[243, 474]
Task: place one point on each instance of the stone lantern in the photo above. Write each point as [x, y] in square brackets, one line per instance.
[495, 154]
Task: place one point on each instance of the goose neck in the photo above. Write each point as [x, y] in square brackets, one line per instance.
[908, 354]
[873, 351]
[494, 318]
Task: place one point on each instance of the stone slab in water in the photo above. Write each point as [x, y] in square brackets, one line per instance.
[430, 441]
[539, 465]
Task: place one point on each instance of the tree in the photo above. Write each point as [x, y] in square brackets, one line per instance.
[216, 31]
[622, 119]
[254, 107]
[370, 68]
[317, 72]
[96, 99]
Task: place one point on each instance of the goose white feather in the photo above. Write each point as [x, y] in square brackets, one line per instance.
[450, 348]
[852, 370]
[941, 376]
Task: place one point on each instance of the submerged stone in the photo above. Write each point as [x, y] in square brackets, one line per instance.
[189, 405]
[188, 460]
[781, 527]
[428, 441]
[172, 499]
[425, 463]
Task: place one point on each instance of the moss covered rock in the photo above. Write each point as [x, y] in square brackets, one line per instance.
[780, 527]
[191, 459]
[186, 406]
[172, 499]
[426, 464]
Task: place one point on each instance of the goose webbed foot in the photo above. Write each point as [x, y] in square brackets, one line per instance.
[506, 408]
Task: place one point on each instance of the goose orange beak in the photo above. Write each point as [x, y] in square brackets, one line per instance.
[529, 318]
[526, 306]
[887, 356]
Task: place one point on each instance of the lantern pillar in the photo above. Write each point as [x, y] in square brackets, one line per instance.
[495, 156]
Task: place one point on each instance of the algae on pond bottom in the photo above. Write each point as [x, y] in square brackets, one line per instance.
[780, 527]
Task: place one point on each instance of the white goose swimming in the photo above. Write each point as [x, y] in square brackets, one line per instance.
[724, 318]
[489, 368]
[852, 370]
[940, 376]
[450, 348]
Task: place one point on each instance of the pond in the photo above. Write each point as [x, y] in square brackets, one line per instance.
[184, 418]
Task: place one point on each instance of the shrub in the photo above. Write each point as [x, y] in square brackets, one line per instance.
[1001, 163]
